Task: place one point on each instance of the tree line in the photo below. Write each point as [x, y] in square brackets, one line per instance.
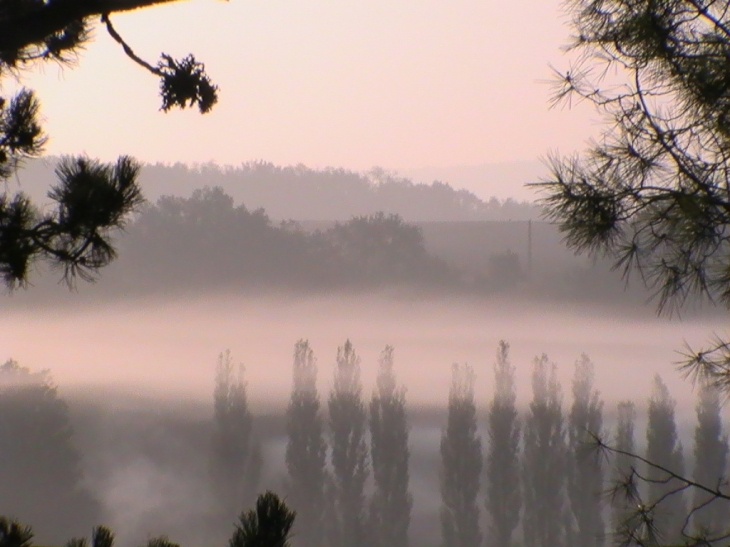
[207, 241]
[535, 479]
[300, 192]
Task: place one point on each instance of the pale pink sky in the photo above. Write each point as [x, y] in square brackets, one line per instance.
[402, 84]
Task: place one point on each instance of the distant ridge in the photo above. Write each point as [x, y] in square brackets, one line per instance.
[502, 180]
[301, 193]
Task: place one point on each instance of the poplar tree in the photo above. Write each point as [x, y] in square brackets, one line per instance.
[624, 499]
[390, 509]
[348, 419]
[504, 497]
[664, 449]
[585, 471]
[236, 457]
[711, 451]
[306, 449]
[461, 464]
[544, 462]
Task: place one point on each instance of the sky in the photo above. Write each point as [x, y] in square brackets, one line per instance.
[416, 86]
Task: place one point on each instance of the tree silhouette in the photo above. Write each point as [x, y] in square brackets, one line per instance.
[653, 193]
[664, 448]
[390, 509]
[236, 458]
[101, 536]
[306, 449]
[92, 200]
[623, 502]
[584, 470]
[347, 418]
[461, 464]
[267, 525]
[15, 534]
[504, 497]
[40, 468]
[544, 461]
[710, 452]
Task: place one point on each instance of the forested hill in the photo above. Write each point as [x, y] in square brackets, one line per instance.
[301, 193]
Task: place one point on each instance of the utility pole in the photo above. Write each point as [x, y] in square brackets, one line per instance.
[529, 247]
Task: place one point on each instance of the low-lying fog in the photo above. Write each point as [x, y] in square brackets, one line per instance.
[146, 462]
[168, 348]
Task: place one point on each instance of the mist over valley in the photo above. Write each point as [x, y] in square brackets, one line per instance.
[134, 355]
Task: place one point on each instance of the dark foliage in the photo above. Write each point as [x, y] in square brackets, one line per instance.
[268, 525]
[184, 83]
[92, 199]
[101, 536]
[14, 534]
[653, 193]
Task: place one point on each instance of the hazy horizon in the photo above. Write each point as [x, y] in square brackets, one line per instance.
[169, 346]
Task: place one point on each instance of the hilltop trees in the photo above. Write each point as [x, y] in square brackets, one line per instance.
[504, 498]
[584, 469]
[236, 458]
[92, 200]
[379, 245]
[544, 462]
[40, 469]
[461, 464]
[306, 449]
[390, 508]
[347, 419]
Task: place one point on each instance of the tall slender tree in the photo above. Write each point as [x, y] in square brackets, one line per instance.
[504, 497]
[306, 449]
[544, 461]
[585, 471]
[623, 503]
[664, 448]
[461, 464]
[348, 420]
[390, 509]
[711, 452]
[236, 456]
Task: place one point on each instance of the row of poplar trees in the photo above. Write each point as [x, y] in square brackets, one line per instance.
[545, 481]
[538, 482]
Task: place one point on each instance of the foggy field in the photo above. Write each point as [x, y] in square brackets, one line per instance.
[139, 377]
[167, 348]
